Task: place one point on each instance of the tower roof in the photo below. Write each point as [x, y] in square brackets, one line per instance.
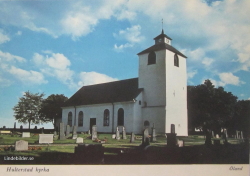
[161, 46]
[162, 35]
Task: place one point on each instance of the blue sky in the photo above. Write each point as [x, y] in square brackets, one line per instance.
[55, 47]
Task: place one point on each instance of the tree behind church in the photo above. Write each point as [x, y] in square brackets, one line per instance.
[51, 108]
[210, 107]
[28, 107]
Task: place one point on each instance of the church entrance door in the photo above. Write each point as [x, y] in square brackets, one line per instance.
[92, 122]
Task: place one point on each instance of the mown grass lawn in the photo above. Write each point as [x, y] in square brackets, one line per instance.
[68, 144]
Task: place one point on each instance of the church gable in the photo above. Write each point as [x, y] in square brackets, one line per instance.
[118, 91]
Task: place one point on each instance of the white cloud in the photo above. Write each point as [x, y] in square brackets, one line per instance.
[19, 33]
[191, 74]
[27, 77]
[7, 57]
[207, 61]
[90, 78]
[131, 35]
[3, 37]
[55, 65]
[229, 78]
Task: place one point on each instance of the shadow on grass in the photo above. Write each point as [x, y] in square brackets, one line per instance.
[127, 154]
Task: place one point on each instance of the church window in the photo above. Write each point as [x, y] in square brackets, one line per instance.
[80, 118]
[120, 121]
[176, 60]
[146, 123]
[140, 102]
[106, 118]
[151, 58]
[70, 119]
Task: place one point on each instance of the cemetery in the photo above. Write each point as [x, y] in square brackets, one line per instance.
[69, 147]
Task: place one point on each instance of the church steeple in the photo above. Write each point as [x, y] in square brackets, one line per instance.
[162, 38]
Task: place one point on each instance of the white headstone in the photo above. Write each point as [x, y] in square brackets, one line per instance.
[113, 136]
[79, 140]
[180, 143]
[26, 134]
[21, 145]
[217, 136]
[46, 138]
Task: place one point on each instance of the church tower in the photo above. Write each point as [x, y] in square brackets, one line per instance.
[163, 77]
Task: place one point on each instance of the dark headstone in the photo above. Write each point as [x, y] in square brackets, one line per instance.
[171, 140]
[208, 141]
[42, 130]
[61, 132]
[94, 132]
[172, 128]
[21, 128]
[15, 126]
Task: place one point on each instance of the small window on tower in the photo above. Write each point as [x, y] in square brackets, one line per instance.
[151, 58]
[176, 60]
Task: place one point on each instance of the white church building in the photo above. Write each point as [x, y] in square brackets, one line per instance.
[158, 97]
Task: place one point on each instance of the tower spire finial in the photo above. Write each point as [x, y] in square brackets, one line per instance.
[162, 31]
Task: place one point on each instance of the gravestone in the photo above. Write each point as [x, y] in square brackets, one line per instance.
[74, 133]
[145, 135]
[61, 132]
[21, 145]
[55, 133]
[26, 134]
[79, 140]
[153, 135]
[217, 136]
[171, 137]
[21, 128]
[113, 136]
[15, 126]
[213, 134]
[208, 141]
[46, 138]
[89, 132]
[67, 130]
[132, 138]
[124, 133]
[117, 136]
[180, 143]
[94, 132]
[42, 130]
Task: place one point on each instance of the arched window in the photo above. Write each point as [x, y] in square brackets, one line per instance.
[151, 58]
[146, 123]
[70, 119]
[176, 60]
[106, 118]
[120, 121]
[80, 118]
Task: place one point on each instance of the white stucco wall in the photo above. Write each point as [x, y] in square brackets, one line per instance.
[97, 111]
[176, 95]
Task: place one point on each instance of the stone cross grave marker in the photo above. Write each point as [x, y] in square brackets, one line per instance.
[94, 132]
[61, 132]
[21, 145]
[74, 133]
[46, 138]
[26, 134]
[124, 136]
[67, 130]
